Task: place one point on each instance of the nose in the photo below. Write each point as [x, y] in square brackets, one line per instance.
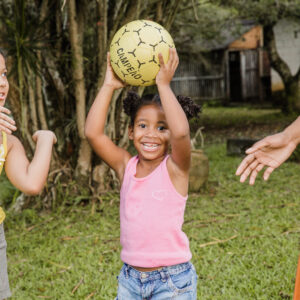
[151, 132]
[3, 81]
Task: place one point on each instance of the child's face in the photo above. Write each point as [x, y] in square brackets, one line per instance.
[4, 86]
[150, 133]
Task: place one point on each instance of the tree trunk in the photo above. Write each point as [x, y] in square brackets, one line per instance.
[291, 83]
[84, 157]
[102, 39]
[32, 104]
[40, 101]
[292, 94]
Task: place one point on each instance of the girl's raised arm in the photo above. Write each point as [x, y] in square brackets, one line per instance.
[29, 177]
[175, 116]
[113, 155]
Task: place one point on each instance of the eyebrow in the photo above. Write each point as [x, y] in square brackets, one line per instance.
[162, 122]
[145, 120]
[141, 120]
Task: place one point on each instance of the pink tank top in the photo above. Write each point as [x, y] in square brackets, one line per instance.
[151, 217]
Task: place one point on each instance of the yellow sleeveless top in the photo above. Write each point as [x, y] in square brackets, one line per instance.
[3, 152]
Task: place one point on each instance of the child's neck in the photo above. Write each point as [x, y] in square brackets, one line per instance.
[145, 167]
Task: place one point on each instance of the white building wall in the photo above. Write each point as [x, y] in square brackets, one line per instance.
[287, 37]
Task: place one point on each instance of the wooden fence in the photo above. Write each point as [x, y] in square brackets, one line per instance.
[200, 87]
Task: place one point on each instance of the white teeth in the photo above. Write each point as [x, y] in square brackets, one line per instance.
[150, 145]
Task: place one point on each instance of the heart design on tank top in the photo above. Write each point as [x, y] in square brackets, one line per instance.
[159, 194]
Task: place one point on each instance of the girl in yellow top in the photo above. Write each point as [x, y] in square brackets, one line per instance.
[29, 177]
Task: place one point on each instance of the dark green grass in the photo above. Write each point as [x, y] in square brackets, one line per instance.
[51, 255]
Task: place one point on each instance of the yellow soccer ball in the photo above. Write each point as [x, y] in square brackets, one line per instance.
[134, 51]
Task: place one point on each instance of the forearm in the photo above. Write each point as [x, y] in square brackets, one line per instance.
[175, 116]
[293, 132]
[37, 170]
[95, 122]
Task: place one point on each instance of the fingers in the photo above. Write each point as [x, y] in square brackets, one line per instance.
[249, 170]
[5, 118]
[244, 164]
[7, 129]
[268, 172]
[161, 60]
[35, 136]
[258, 145]
[6, 123]
[254, 173]
[5, 110]
[175, 60]
[54, 138]
[171, 57]
[48, 134]
[108, 59]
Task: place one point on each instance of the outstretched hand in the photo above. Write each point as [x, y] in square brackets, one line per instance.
[270, 152]
[167, 70]
[110, 77]
[7, 124]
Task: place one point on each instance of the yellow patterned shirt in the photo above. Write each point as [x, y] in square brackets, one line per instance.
[3, 152]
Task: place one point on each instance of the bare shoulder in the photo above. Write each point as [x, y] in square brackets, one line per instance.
[13, 142]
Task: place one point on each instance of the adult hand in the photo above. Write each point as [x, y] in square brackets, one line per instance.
[270, 152]
[7, 124]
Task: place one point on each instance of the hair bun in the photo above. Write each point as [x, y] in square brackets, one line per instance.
[190, 108]
[130, 102]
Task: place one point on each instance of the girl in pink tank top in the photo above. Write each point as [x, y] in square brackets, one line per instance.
[154, 185]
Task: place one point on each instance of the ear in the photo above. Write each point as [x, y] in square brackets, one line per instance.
[130, 132]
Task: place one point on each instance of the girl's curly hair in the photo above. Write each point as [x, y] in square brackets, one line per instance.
[2, 52]
[133, 102]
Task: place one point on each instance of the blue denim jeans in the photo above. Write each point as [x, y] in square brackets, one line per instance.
[174, 282]
[4, 286]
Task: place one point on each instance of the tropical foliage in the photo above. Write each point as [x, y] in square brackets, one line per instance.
[57, 59]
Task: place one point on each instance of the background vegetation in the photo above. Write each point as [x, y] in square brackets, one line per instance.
[244, 239]
[56, 57]
[65, 243]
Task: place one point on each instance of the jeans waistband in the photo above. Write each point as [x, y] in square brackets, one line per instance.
[159, 273]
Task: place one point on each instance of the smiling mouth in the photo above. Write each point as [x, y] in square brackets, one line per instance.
[2, 95]
[150, 146]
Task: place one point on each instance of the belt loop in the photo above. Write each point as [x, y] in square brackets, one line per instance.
[126, 271]
[163, 275]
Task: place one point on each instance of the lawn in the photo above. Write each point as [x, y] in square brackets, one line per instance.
[244, 240]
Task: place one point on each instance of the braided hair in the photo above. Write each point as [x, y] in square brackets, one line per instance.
[133, 102]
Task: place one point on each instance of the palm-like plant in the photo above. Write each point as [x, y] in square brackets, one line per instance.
[22, 36]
